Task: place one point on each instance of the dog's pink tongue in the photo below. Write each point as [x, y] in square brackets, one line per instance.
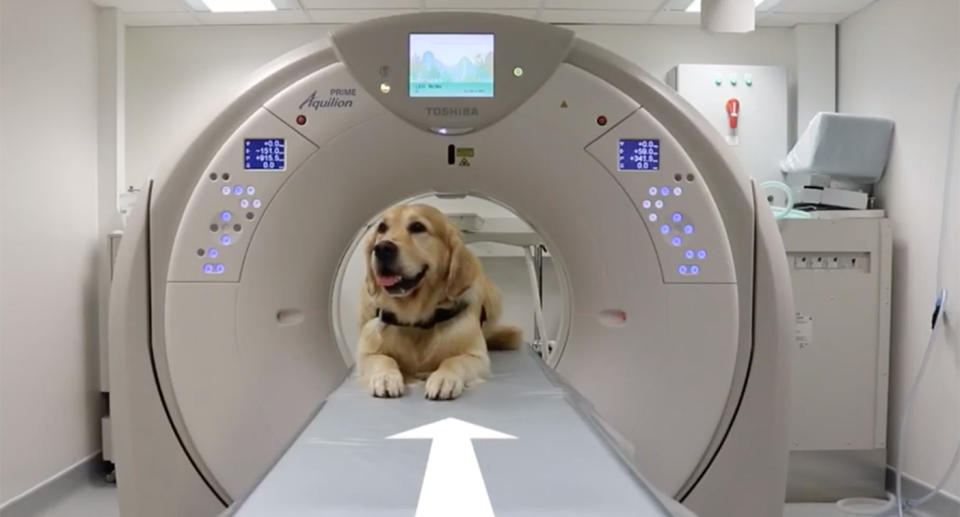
[387, 280]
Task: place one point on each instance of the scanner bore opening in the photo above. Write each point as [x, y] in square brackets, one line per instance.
[485, 223]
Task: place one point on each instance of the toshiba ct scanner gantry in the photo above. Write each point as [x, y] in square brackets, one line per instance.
[231, 388]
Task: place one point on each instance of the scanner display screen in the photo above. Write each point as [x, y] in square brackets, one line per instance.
[264, 154]
[638, 154]
[451, 65]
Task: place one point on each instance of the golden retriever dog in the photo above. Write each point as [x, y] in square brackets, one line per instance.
[427, 310]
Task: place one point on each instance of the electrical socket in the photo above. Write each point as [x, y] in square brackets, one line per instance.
[831, 261]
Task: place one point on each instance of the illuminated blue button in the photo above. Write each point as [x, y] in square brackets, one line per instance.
[676, 240]
[238, 190]
[694, 269]
[658, 204]
[676, 217]
[682, 269]
[646, 203]
[256, 203]
[688, 229]
[677, 191]
[225, 190]
[244, 203]
[653, 191]
[225, 240]
[219, 268]
[652, 218]
[701, 254]
[251, 191]
[225, 216]
[208, 268]
[212, 252]
[688, 254]
[665, 229]
[664, 191]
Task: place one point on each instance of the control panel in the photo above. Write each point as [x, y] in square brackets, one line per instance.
[670, 195]
[458, 80]
[237, 186]
[747, 105]
[638, 154]
[231, 196]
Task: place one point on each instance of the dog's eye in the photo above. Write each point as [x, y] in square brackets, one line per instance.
[382, 228]
[416, 227]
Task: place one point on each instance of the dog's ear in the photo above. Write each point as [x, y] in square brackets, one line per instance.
[369, 282]
[464, 266]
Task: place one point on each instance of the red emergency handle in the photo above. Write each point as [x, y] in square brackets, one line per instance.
[733, 112]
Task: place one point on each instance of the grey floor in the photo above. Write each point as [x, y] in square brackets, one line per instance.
[87, 497]
[91, 500]
[827, 510]
[100, 500]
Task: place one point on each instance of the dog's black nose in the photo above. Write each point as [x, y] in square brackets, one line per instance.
[385, 251]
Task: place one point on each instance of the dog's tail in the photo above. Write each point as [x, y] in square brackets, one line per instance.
[503, 337]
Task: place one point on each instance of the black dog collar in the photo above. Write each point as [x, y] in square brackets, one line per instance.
[440, 315]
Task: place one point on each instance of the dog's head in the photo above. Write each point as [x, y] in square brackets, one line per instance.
[415, 248]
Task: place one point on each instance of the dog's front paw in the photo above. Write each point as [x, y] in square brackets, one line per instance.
[386, 384]
[444, 386]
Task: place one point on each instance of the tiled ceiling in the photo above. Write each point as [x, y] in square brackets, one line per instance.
[771, 13]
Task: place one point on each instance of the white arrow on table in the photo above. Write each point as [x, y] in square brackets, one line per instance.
[452, 484]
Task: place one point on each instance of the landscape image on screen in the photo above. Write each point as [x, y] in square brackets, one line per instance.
[451, 65]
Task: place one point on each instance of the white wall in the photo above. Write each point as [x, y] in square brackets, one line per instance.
[816, 87]
[178, 77]
[658, 48]
[900, 61]
[49, 405]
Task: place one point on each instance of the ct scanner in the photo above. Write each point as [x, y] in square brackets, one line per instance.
[223, 343]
